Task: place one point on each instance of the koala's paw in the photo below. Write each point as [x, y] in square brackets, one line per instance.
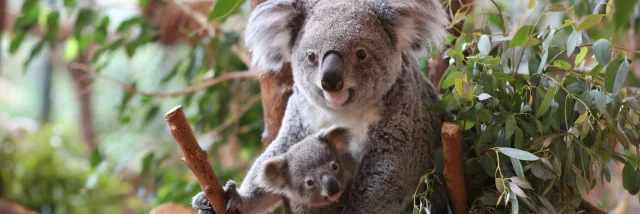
[201, 203]
[235, 200]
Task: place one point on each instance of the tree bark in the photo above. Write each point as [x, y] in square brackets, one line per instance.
[453, 167]
[438, 66]
[83, 92]
[196, 158]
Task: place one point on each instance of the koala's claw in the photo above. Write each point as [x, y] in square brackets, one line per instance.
[201, 203]
[235, 201]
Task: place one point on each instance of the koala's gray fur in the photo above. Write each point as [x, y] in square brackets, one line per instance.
[312, 159]
[383, 100]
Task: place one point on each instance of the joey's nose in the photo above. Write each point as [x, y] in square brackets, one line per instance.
[332, 72]
[331, 185]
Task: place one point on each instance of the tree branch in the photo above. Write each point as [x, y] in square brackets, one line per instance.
[205, 84]
[453, 167]
[196, 158]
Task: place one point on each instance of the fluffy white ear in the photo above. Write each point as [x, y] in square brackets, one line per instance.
[337, 136]
[270, 32]
[273, 175]
[414, 25]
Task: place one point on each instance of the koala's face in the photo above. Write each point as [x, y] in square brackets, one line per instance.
[312, 171]
[344, 54]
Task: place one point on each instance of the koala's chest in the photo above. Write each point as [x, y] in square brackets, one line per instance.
[358, 124]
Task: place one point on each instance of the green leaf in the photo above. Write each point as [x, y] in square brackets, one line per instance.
[127, 24]
[222, 8]
[624, 10]
[602, 50]
[151, 114]
[518, 142]
[546, 102]
[500, 185]
[71, 49]
[631, 179]
[581, 55]
[517, 154]
[572, 42]
[520, 182]
[543, 62]
[146, 163]
[16, 41]
[542, 171]
[85, 16]
[69, 3]
[484, 45]
[466, 124]
[96, 157]
[52, 28]
[589, 22]
[581, 184]
[548, 40]
[547, 204]
[621, 75]
[611, 73]
[517, 166]
[562, 64]
[35, 51]
[449, 81]
[510, 126]
[520, 37]
[143, 2]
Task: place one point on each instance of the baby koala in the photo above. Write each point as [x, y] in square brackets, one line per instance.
[313, 173]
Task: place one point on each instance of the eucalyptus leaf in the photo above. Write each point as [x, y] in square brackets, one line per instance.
[602, 51]
[546, 103]
[572, 42]
[484, 45]
[621, 76]
[518, 154]
[589, 22]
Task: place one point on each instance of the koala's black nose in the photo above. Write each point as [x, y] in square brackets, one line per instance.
[330, 184]
[332, 72]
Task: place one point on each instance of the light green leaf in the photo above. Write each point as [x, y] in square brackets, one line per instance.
[516, 189]
[562, 64]
[520, 37]
[517, 166]
[547, 204]
[222, 8]
[589, 22]
[621, 76]
[557, 8]
[611, 72]
[520, 182]
[484, 45]
[581, 184]
[602, 50]
[547, 41]
[449, 81]
[581, 55]
[71, 49]
[543, 61]
[466, 124]
[582, 118]
[572, 42]
[518, 154]
[546, 102]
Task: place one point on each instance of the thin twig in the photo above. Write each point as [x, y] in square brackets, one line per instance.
[191, 89]
[250, 102]
[504, 25]
[197, 16]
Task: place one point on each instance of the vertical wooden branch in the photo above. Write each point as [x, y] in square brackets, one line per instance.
[453, 167]
[196, 158]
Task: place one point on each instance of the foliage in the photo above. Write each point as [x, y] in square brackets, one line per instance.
[543, 108]
[46, 172]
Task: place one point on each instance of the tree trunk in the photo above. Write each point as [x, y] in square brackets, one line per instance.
[82, 81]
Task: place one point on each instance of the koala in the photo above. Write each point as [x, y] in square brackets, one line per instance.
[312, 173]
[355, 64]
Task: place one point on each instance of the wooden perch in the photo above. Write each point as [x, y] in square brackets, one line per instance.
[453, 167]
[196, 158]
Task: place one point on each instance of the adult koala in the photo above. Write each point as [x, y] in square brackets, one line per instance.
[355, 65]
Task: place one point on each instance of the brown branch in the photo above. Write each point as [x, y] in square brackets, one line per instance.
[191, 89]
[196, 158]
[453, 167]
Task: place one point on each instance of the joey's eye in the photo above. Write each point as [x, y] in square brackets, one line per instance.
[312, 58]
[334, 166]
[309, 182]
[361, 54]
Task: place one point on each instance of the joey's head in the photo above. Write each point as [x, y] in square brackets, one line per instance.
[344, 54]
[312, 171]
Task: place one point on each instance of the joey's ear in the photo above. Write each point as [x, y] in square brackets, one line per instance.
[413, 25]
[273, 174]
[338, 136]
[271, 30]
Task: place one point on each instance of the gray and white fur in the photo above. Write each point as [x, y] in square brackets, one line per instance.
[354, 65]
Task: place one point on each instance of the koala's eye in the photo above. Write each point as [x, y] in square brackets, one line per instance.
[310, 183]
[312, 58]
[361, 54]
[334, 166]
